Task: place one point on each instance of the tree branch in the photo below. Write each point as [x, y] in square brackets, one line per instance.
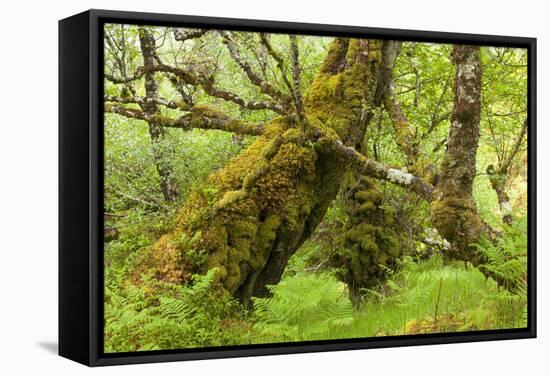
[506, 164]
[208, 85]
[376, 170]
[200, 118]
[181, 35]
[122, 80]
[176, 105]
[294, 57]
[210, 89]
[404, 132]
[278, 59]
[264, 86]
[391, 50]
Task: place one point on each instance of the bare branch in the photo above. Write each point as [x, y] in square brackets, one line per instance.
[436, 120]
[296, 71]
[515, 149]
[278, 59]
[210, 89]
[264, 86]
[116, 48]
[208, 85]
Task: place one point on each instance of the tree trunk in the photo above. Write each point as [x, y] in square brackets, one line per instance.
[371, 245]
[453, 210]
[498, 182]
[253, 214]
[168, 184]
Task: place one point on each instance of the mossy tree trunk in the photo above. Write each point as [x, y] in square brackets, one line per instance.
[453, 210]
[370, 241]
[370, 245]
[253, 214]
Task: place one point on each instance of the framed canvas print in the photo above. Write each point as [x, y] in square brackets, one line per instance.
[238, 187]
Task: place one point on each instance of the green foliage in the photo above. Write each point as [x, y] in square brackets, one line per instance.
[507, 258]
[437, 294]
[156, 316]
[486, 201]
[426, 297]
[303, 307]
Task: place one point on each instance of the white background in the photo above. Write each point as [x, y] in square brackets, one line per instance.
[28, 186]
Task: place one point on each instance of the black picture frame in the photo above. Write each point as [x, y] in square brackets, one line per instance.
[81, 184]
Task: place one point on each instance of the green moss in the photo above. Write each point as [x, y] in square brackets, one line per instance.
[367, 206]
[337, 93]
[265, 235]
[371, 195]
[231, 197]
[368, 243]
[371, 243]
[457, 221]
[241, 207]
[335, 56]
[202, 110]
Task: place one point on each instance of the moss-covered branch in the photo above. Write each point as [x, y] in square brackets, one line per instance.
[296, 73]
[498, 180]
[252, 177]
[499, 176]
[404, 131]
[371, 243]
[206, 83]
[200, 117]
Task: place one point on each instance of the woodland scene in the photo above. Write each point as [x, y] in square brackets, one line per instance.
[266, 188]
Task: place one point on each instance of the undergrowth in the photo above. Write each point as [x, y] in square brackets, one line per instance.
[423, 297]
[310, 304]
